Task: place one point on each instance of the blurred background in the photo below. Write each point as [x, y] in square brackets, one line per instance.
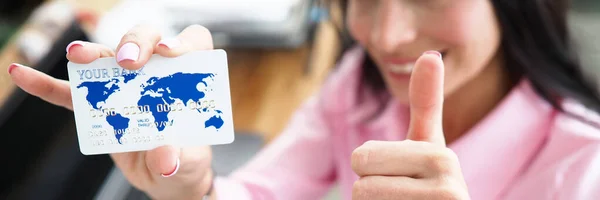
[279, 52]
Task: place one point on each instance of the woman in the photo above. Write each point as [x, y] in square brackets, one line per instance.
[465, 99]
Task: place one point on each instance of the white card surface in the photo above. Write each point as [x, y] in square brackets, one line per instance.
[183, 101]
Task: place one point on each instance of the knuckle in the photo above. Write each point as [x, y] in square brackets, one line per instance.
[358, 160]
[356, 187]
[360, 190]
[450, 155]
[361, 157]
[198, 29]
[199, 36]
[47, 89]
[140, 33]
[448, 191]
[130, 36]
[441, 161]
[374, 188]
[105, 52]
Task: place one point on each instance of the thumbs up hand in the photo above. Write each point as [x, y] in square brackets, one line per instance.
[420, 167]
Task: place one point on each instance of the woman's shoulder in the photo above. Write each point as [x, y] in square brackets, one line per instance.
[574, 138]
[564, 167]
[578, 122]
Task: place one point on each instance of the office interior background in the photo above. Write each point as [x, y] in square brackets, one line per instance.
[279, 52]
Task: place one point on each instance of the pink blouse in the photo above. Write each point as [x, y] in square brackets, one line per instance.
[524, 149]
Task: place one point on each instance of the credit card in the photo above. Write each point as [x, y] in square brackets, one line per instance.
[183, 101]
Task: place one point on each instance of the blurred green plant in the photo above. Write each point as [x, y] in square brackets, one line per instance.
[6, 32]
[591, 6]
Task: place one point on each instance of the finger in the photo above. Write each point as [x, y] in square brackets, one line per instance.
[192, 38]
[87, 52]
[137, 46]
[41, 85]
[408, 158]
[391, 187]
[426, 96]
[398, 187]
[163, 160]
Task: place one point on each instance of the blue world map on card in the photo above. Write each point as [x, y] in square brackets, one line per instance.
[154, 91]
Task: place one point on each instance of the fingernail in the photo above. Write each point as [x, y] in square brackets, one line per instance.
[438, 54]
[74, 43]
[169, 43]
[129, 51]
[13, 66]
[174, 171]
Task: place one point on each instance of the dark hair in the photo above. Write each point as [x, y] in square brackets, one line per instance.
[536, 44]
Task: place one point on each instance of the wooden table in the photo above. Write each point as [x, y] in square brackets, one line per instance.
[266, 85]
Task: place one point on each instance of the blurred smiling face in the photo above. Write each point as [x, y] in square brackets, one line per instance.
[396, 32]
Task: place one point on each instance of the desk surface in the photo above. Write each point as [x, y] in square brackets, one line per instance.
[266, 85]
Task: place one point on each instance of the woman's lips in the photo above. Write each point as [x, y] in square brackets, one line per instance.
[399, 65]
[402, 66]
